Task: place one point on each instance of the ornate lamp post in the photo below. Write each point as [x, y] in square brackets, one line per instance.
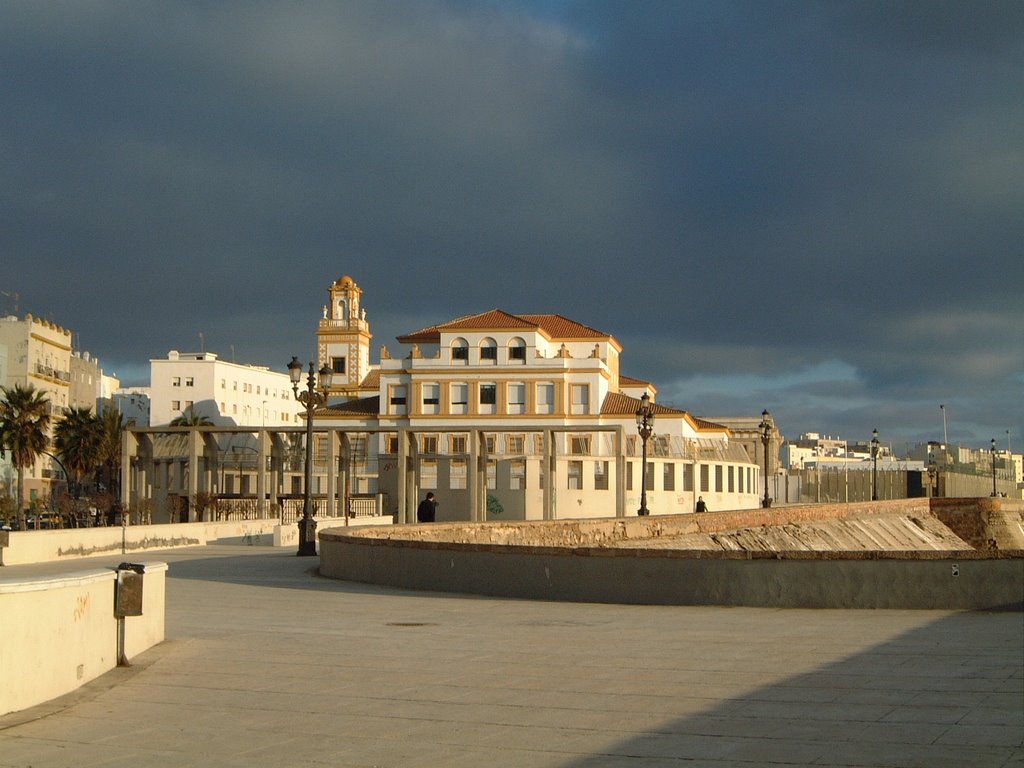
[874, 464]
[993, 452]
[766, 438]
[645, 426]
[312, 397]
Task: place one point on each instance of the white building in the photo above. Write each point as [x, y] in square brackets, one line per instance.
[228, 394]
[513, 416]
[133, 404]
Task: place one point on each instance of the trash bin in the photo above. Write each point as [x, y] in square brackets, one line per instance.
[128, 590]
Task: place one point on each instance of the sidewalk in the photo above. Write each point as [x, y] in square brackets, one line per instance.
[267, 664]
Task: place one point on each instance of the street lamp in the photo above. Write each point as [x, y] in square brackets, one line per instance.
[312, 397]
[766, 438]
[874, 464]
[645, 426]
[993, 451]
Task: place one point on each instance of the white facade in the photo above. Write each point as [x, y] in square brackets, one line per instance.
[510, 416]
[228, 394]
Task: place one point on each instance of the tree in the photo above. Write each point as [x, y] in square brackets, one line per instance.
[113, 426]
[191, 419]
[24, 426]
[78, 438]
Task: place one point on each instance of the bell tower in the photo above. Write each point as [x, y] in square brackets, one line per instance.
[343, 338]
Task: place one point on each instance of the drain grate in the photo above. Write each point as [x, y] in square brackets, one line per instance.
[410, 624]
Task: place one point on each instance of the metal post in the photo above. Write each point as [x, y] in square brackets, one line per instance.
[766, 436]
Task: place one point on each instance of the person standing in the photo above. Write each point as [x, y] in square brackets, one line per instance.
[427, 510]
[701, 506]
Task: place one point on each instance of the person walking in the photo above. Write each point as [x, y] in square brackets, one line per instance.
[427, 510]
[701, 506]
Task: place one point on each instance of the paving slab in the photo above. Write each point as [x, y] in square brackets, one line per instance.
[269, 664]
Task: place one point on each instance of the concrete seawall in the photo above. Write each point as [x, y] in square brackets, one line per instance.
[579, 560]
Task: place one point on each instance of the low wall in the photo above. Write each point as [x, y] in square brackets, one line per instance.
[74, 543]
[573, 560]
[60, 632]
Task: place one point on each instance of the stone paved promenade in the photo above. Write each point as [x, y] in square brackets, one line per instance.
[267, 664]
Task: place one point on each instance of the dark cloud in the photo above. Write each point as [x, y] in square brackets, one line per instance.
[751, 196]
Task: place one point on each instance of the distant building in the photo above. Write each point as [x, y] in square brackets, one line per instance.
[514, 416]
[36, 353]
[228, 394]
[133, 405]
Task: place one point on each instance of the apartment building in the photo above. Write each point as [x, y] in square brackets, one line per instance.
[226, 393]
[36, 352]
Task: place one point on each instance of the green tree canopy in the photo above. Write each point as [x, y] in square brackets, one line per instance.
[191, 419]
[24, 428]
[78, 438]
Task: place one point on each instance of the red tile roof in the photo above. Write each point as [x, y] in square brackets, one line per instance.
[362, 407]
[552, 325]
[618, 404]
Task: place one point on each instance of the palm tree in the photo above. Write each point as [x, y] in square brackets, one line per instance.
[191, 419]
[112, 426]
[24, 427]
[78, 437]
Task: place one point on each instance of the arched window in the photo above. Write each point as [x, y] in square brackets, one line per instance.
[488, 351]
[460, 351]
[517, 351]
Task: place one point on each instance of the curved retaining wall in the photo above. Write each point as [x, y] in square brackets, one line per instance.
[485, 559]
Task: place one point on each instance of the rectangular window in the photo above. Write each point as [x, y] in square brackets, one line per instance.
[629, 475]
[732, 483]
[175, 405]
[460, 398]
[457, 443]
[190, 381]
[739, 477]
[431, 398]
[545, 398]
[579, 445]
[668, 480]
[600, 475]
[718, 478]
[397, 398]
[176, 381]
[517, 353]
[428, 474]
[705, 478]
[514, 444]
[517, 475]
[580, 399]
[649, 484]
[492, 475]
[575, 475]
[391, 444]
[489, 444]
[188, 405]
[338, 364]
[488, 394]
[688, 477]
[223, 383]
[516, 398]
[457, 475]
[488, 353]
[429, 444]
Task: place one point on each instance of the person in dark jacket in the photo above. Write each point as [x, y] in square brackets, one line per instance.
[701, 506]
[427, 510]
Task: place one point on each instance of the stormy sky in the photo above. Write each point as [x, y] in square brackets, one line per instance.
[811, 207]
